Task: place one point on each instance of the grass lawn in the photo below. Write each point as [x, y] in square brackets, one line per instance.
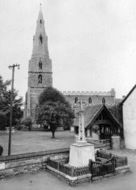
[24, 141]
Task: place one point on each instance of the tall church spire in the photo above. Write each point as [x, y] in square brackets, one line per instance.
[40, 40]
[40, 67]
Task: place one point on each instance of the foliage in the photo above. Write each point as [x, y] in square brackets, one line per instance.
[28, 123]
[1, 150]
[16, 109]
[5, 102]
[51, 94]
[2, 121]
[54, 110]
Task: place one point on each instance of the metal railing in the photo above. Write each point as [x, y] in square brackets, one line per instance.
[120, 161]
[101, 169]
[69, 170]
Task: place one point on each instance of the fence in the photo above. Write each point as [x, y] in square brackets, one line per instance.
[105, 164]
[103, 154]
[101, 169]
[81, 171]
[106, 142]
[120, 161]
[69, 170]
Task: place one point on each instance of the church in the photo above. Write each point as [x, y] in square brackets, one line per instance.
[40, 77]
[40, 68]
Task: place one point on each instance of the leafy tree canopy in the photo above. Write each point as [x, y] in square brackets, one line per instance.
[54, 110]
[5, 103]
[51, 94]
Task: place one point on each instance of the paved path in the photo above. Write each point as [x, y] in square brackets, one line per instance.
[46, 181]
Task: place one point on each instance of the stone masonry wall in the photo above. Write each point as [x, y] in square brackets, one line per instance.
[26, 163]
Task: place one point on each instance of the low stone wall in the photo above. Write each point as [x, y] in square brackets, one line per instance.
[71, 180]
[26, 163]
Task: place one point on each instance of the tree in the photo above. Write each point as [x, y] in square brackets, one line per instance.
[51, 94]
[54, 110]
[16, 109]
[5, 103]
[2, 121]
[28, 122]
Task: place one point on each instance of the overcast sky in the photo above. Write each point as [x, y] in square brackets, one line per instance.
[92, 43]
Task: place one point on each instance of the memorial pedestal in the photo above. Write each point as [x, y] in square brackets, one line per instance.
[80, 153]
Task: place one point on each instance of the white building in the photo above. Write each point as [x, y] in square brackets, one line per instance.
[129, 119]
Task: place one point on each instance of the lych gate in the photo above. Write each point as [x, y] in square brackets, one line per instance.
[100, 123]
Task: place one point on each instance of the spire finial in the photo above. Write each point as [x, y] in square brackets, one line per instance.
[40, 5]
[40, 17]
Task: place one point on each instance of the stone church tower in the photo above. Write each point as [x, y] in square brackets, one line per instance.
[40, 68]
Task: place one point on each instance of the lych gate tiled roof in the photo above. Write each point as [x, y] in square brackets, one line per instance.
[92, 112]
[89, 113]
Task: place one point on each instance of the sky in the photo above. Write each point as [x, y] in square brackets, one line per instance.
[92, 43]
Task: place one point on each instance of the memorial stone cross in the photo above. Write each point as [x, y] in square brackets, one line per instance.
[81, 134]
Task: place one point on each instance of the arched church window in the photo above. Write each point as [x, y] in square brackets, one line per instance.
[76, 100]
[39, 79]
[40, 21]
[89, 100]
[40, 64]
[41, 39]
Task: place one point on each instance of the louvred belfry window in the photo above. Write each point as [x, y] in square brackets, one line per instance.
[41, 39]
[40, 64]
[76, 100]
[90, 100]
[39, 79]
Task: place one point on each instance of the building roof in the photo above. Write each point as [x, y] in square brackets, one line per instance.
[91, 113]
[130, 92]
[118, 100]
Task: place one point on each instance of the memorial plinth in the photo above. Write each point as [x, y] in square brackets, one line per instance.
[81, 151]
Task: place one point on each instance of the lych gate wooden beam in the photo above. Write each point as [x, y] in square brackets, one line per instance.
[106, 122]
